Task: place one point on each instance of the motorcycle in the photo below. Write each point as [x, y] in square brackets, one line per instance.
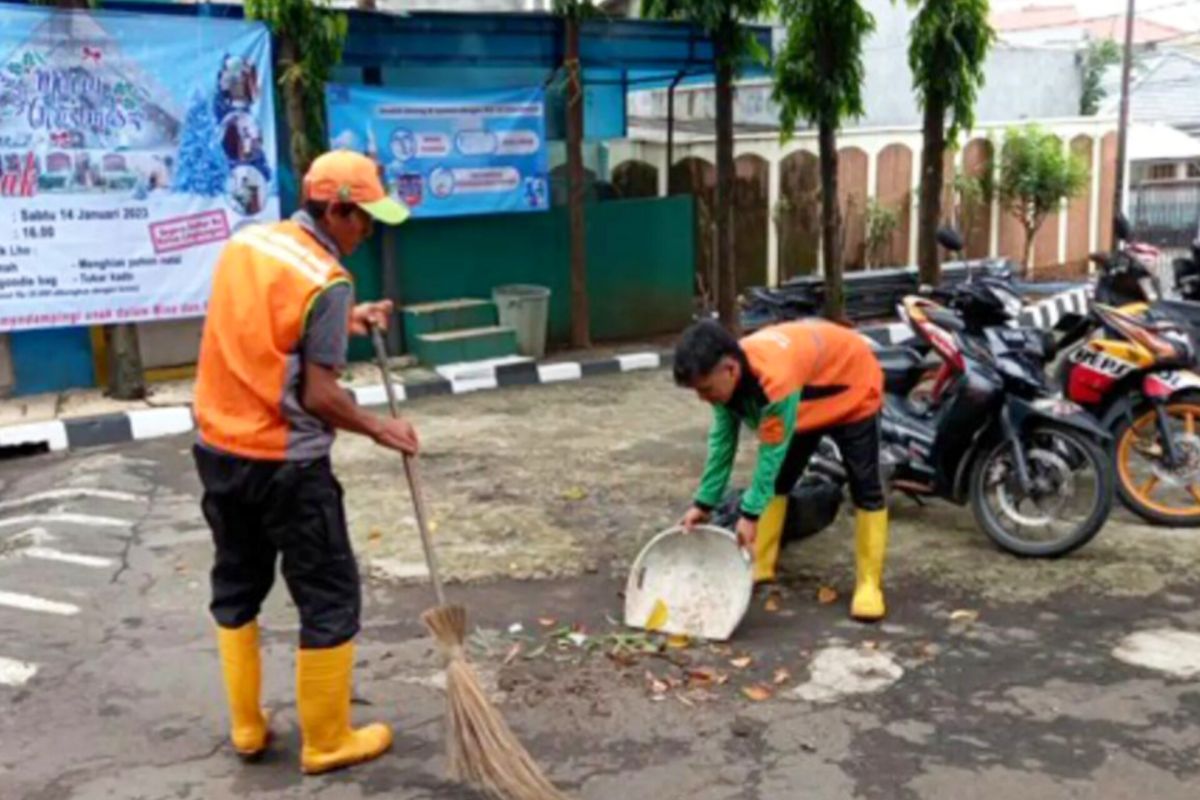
[1132, 367]
[1031, 465]
[1187, 274]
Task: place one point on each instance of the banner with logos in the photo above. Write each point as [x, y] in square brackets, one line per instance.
[449, 153]
[131, 148]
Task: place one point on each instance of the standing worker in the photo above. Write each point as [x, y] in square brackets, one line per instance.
[267, 404]
[792, 384]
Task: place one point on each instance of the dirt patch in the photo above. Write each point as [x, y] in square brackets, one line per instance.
[563, 480]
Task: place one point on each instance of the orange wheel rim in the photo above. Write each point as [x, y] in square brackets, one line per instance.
[1144, 490]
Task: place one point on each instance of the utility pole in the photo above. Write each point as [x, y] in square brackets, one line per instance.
[1123, 123]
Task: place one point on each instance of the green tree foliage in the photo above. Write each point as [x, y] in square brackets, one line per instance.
[819, 77]
[1036, 175]
[311, 37]
[1097, 58]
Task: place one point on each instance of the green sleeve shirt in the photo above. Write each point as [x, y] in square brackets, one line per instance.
[775, 424]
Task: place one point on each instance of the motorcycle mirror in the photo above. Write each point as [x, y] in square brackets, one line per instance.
[950, 239]
[1122, 227]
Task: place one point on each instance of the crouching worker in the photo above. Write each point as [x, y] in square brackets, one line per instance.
[267, 405]
[792, 384]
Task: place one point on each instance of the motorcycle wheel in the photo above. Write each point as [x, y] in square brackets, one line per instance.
[1056, 518]
[1146, 486]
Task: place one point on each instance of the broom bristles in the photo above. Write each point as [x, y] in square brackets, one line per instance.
[482, 749]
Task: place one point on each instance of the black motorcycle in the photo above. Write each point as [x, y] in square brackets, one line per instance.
[1032, 466]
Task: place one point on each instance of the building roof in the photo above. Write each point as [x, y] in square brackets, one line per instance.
[1158, 142]
[1068, 18]
[1164, 93]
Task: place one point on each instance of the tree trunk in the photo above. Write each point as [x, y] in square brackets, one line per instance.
[726, 276]
[125, 378]
[932, 178]
[293, 108]
[831, 223]
[580, 321]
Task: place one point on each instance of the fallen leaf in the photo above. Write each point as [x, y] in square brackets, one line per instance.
[513, 652]
[574, 493]
[657, 686]
[578, 639]
[782, 676]
[547, 622]
[743, 662]
[679, 641]
[375, 535]
[702, 676]
[827, 595]
[722, 679]
[772, 604]
[757, 692]
[658, 616]
[515, 628]
[685, 701]
[964, 615]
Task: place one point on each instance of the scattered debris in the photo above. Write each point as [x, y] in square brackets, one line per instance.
[515, 628]
[574, 493]
[513, 652]
[658, 616]
[757, 692]
[546, 622]
[679, 641]
[964, 615]
[781, 676]
[827, 595]
[742, 662]
[375, 535]
[772, 604]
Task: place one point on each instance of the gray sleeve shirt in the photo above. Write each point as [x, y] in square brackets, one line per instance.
[327, 335]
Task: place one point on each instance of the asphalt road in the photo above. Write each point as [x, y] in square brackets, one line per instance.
[992, 677]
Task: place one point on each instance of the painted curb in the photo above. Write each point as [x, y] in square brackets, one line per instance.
[152, 423]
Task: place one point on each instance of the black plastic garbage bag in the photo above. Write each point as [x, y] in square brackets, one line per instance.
[813, 505]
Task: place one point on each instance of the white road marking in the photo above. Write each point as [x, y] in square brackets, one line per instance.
[50, 554]
[68, 494]
[33, 537]
[1174, 652]
[15, 673]
[73, 519]
[27, 602]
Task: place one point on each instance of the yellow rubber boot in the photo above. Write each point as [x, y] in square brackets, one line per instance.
[870, 546]
[323, 700]
[766, 543]
[242, 668]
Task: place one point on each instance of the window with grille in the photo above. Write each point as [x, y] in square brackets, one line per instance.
[1161, 172]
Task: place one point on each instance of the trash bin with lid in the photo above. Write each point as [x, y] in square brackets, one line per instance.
[525, 309]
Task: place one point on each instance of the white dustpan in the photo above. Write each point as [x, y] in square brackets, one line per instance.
[697, 584]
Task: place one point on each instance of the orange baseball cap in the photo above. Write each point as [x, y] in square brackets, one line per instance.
[344, 176]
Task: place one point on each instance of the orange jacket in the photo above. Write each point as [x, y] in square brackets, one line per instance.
[264, 285]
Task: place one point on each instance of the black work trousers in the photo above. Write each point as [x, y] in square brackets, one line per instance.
[261, 510]
[858, 442]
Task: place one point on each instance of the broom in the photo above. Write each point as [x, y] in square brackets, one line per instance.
[482, 749]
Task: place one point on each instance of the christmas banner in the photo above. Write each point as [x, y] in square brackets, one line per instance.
[449, 153]
[131, 148]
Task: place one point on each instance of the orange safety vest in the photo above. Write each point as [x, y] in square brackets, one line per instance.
[264, 286]
[834, 369]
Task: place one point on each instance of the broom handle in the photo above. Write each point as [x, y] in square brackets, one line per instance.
[410, 470]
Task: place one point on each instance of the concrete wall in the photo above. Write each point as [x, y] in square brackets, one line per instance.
[1080, 228]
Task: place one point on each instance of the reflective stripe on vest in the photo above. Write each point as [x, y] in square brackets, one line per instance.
[264, 285]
